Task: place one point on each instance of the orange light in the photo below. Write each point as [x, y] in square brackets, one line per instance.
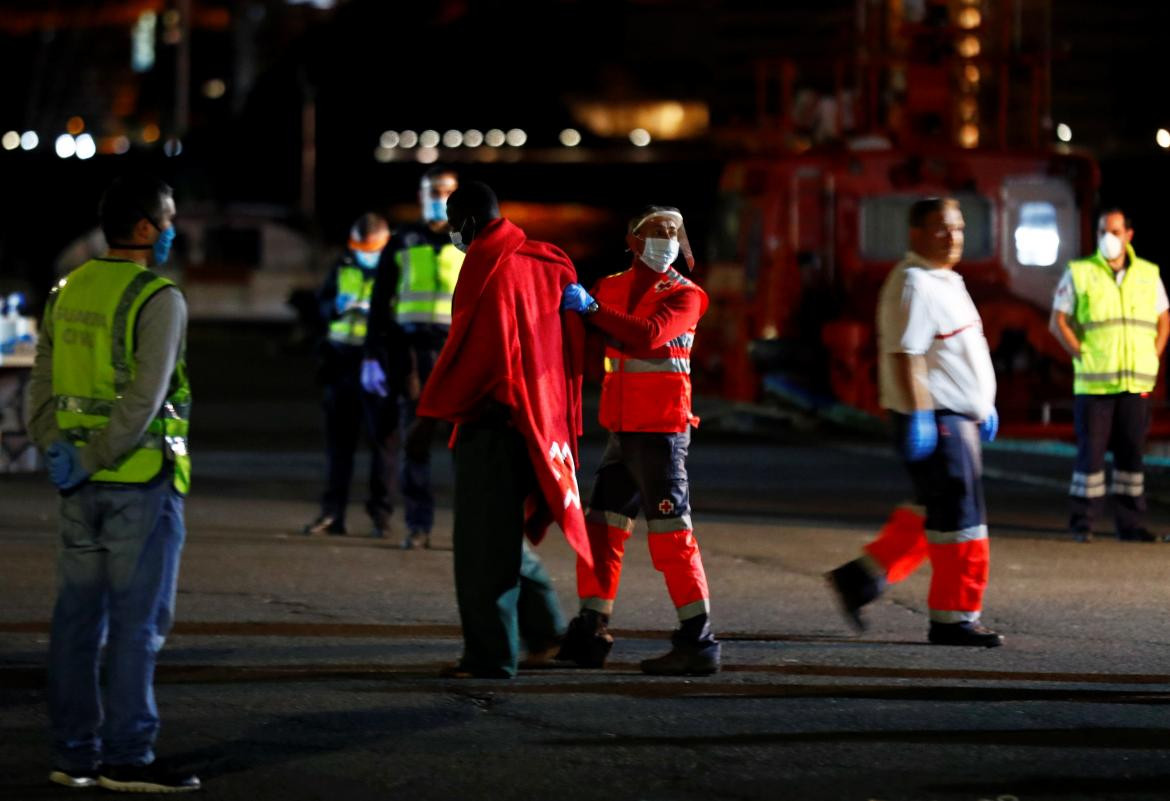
[969, 18]
[969, 46]
[971, 73]
[75, 125]
[969, 135]
[150, 133]
[968, 109]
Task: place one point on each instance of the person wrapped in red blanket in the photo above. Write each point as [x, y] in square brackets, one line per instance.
[509, 378]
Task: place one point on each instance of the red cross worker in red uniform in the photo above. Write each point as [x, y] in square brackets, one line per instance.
[648, 315]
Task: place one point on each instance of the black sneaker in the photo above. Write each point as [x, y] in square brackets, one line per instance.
[146, 779]
[325, 524]
[971, 634]
[75, 778]
[686, 659]
[587, 641]
[1137, 535]
[854, 587]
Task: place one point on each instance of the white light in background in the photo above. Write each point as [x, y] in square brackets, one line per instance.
[494, 138]
[214, 89]
[121, 145]
[516, 137]
[1063, 133]
[11, 140]
[1163, 138]
[86, 147]
[640, 137]
[428, 139]
[29, 140]
[408, 139]
[473, 138]
[427, 155]
[452, 139]
[65, 146]
[142, 42]
[1037, 235]
[389, 139]
[383, 154]
[173, 147]
[570, 137]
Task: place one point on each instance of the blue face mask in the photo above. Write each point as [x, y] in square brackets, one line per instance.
[367, 258]
[435, 210]
[162, 245]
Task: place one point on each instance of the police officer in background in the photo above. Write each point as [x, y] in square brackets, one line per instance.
[412, 296]
[109, 403]
[1110, 314]
[344, 301]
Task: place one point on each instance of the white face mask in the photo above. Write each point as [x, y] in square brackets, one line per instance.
[1110, 246]
[658, 254]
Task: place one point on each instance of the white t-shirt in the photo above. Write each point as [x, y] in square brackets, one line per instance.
[926, 311]
[1065, 299]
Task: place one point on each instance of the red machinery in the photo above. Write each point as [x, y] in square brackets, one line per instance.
[807, 230]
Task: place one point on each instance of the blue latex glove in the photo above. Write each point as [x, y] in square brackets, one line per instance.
[374, 378]
[343, 301]
[64, 463]
[921, 436]
[575, 298]
[989, 426]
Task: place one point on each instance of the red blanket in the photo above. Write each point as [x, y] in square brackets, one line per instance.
[510, 342]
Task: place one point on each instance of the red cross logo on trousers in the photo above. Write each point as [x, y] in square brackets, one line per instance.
[666, 507]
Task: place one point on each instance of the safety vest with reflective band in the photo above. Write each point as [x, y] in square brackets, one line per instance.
[1118, 326]
[647, 390]
[426, 283]
[94, 311]
[350, 328]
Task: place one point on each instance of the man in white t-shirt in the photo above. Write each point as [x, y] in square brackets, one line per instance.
[1110, 314]
[936, 379]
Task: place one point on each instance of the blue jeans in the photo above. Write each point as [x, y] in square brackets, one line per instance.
[117, 570]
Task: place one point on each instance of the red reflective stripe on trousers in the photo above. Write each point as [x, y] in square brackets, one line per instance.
[676, 555]
[959, 575]
[900, 546]
[608, 545]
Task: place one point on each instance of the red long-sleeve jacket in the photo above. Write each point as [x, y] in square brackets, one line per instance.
[649, 319]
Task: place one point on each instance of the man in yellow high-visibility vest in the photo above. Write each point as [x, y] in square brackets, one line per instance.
[412, 297]
[109, 403]
[344, 305]
[1110, 313]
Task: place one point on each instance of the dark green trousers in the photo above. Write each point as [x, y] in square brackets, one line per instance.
[504, 593]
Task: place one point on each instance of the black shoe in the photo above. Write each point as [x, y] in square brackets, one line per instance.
[1136, 535]
[972, 634]
[686, 659]
[75, 778]
[325, 524]
[146, 779]
[587, 642]
[1082, 535]
[854, 587]
[542, 655]
[416, 539]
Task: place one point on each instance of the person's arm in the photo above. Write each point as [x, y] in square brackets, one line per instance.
[911, 374]
[675, 316]
[41, 410]
[380, 324]
[327, 298]
[1163, 332]
[161, 327]
[1063, 331]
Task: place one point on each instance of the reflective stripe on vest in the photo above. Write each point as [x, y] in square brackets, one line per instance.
[426, 283]
[93, 313]
[1118, 326]
[350, 328]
